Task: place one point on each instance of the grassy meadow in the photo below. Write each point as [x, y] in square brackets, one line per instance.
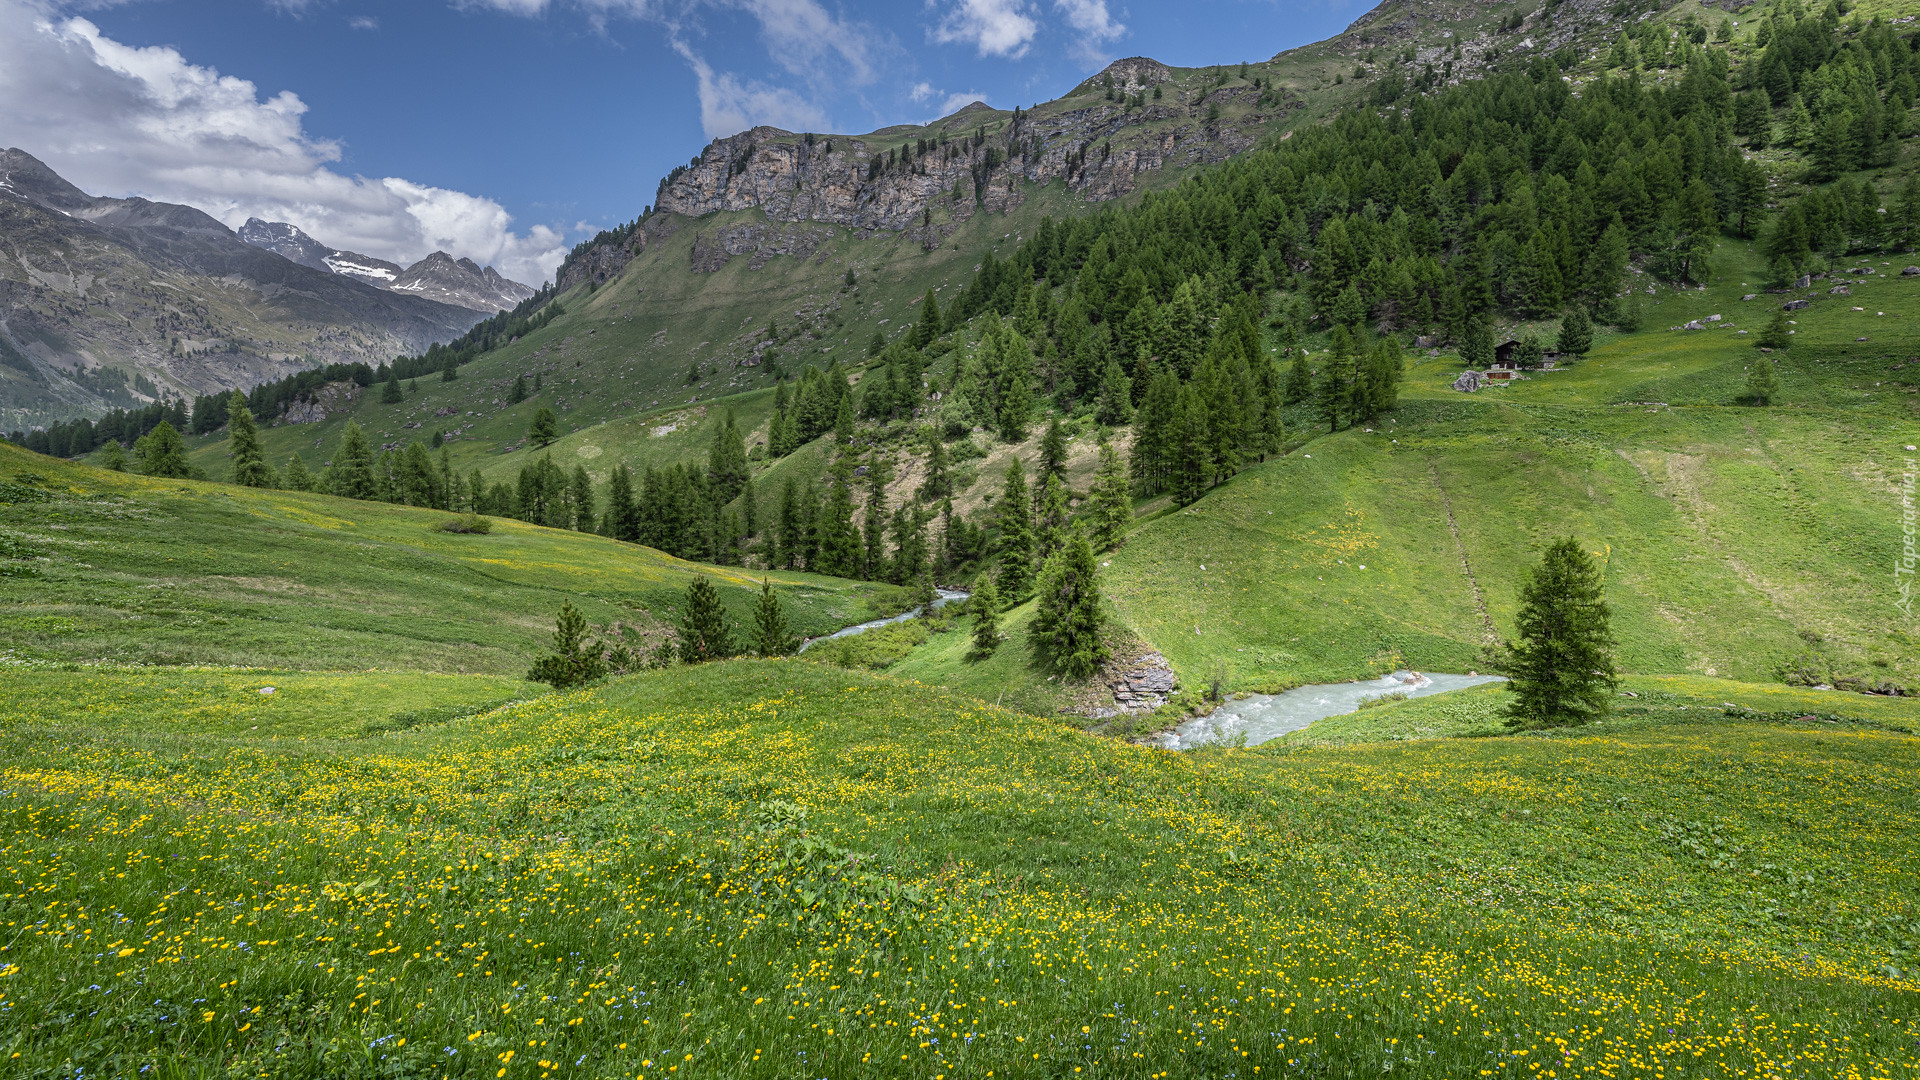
[132, 570]
[779, 868]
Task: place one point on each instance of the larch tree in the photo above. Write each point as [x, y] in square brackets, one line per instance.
[1561, 671]
[1068, 620]
[772, 635]
[250, 468]
[1016, 537]
[704, 631]
[575, 659]
[1110, 503]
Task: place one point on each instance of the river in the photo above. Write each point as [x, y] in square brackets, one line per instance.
[1268, 716]
[946, 597]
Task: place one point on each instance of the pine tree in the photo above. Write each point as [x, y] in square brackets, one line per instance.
[1068, 620]
[1576, 332]
[352, 470]
[450, 370]
[1053, 452]
[772, 637]
[1110, 504]
[1190, 461]
[545, 428]
[518, 392]
[843, 422]
[1476, 350]
[1050, 516]
[623, 516]
[390, 393]
[574, 660]
[727, 468]
[580, 494]
[704, 633]
[1115, 405]
[162, 452]
[1299, 380]
[986, 618]
[250, 467]
[1775, 336]
[1016, 537]
[1561, 670]
[874, 554]
[1762, 385]
[838, 543]
[114, 457]
[938, 485]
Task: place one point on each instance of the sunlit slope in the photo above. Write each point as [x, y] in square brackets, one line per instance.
[141, 570]
[624, 351]
[603, 883]
[1735, 538]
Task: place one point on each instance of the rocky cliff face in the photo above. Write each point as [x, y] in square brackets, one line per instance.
[926, 181]
[1099, 147]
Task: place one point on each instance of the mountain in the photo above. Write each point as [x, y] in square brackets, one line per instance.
[462, 282]
[290, 243]
[114, 302]
[439, 276]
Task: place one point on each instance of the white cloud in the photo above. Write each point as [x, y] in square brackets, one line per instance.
[956, 102]
[729, 106]
[1094, 25]
[921, 91]
[363, 22]
[117, 120]
[994, 27]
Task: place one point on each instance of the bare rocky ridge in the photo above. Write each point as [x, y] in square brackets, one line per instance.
[1098, 147]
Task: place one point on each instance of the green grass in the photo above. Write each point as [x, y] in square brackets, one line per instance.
[617, 883]
[146, 701]
[135, 570]
[1480, 711]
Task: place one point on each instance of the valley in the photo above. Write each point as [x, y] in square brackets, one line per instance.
[466, 674]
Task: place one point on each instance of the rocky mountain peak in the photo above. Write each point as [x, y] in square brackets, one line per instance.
[27, 178]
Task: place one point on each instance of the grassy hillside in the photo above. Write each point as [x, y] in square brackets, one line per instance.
[135, 570]
[1738, 539]
[653, 879]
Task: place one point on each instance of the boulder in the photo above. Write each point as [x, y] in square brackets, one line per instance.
[1469, 382]
[1911, 271]
[1750, 296]
[1839, 290]
[1803, 281]
[1796, 305]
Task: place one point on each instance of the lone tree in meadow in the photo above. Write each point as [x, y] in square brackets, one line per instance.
[250, 467]
[1776, 335]
[574, 660]
[352, 470]
[1576, 332]
[162, 452]
[704, 633]
[1762, 385]
[772, 636]
[1561, 670]
[545, 429]
[1067, 619]
[986, 618]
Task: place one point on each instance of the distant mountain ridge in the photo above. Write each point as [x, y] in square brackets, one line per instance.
[439, 276]
[110, 302]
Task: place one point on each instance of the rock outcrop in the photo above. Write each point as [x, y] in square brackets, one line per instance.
[897, 178]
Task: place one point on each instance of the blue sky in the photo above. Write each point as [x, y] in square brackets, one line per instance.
[507, 129]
